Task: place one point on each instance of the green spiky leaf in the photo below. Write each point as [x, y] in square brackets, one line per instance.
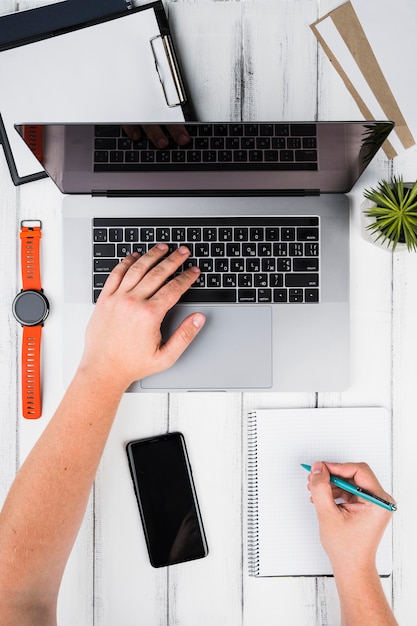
[395, 214]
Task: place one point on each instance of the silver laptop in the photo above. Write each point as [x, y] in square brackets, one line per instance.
[262, 207]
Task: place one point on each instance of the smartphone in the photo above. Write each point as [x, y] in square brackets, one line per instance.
[167, 499]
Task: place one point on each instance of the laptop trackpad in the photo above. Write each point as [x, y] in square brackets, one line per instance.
[232, 351]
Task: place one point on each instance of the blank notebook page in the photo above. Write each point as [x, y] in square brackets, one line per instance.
[283, 538]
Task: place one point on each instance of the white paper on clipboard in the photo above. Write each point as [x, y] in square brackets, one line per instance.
[105, 73]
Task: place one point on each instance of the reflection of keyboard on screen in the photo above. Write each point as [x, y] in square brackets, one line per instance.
[231, 146]
[247, 260]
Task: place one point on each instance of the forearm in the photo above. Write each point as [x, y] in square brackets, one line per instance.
[362, 598]
[46, 504]
[43, 512]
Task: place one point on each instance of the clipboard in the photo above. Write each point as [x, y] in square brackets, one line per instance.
[106, 62]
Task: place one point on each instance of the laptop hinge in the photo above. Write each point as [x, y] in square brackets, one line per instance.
[146, 193]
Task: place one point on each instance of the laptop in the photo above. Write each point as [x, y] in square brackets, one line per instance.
[264, 211]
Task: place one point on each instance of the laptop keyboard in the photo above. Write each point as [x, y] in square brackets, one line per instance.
[285, 147]
[242, 260]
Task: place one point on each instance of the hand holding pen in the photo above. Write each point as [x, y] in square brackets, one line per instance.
[353, 529]
[356, 490]
[350, 533]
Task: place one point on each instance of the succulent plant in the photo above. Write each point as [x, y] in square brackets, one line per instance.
[394, 214]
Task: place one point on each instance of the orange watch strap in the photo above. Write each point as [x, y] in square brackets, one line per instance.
[31, 372]
[30, 262]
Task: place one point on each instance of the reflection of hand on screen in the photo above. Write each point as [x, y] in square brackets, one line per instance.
[158, 134]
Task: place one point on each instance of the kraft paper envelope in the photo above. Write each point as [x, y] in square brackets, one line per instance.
[355, 37]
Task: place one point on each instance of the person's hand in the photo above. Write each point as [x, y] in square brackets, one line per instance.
[123, 339]
[351, 531]
[157, 134]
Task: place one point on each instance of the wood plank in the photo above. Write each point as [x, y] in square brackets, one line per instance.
[209, 591]
[278, 49]
[209, 43]
[128, 590]
[404, 377]
[265, 598]
[9, 406]
[279, 61]
[371, 293]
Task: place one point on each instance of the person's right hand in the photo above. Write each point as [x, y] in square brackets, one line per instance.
[123, 339]
[350, 532]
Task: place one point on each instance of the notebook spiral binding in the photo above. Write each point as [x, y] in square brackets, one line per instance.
[252, 478]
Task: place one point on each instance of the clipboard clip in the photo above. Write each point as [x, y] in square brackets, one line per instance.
[168, 70]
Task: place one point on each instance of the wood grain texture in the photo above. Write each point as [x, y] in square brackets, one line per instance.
[9, 330]
[247, 59]
[9, 394]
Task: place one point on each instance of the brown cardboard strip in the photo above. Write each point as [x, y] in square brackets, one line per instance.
[350, 29]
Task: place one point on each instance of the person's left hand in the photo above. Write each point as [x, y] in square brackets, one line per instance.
[123, 339]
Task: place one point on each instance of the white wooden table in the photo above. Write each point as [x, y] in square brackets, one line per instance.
[243, 60]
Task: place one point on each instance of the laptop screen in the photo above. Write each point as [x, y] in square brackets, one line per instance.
[284, 158]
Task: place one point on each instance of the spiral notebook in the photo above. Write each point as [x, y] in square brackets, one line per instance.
[283, 537]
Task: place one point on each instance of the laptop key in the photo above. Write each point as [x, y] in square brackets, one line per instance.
[311, 249]
[300, 130]
[271, 156]
[100, 234]
[266, 130]
[310, 264]
[280, 295]
[104, 250]
[101, 156]
[163, 156]
[178, 156]
[264, 295]
[132, 156]
[311, 295]
[105, 265]
[220, 129]
[308, 234]
[214, 280]
[301, 280]
[193, 157]
[236, 130]
[296, 295]
[247, 295]
[206, 296]
[99, 280]
[229, 280]
[123, 249]
[209, 156]
[109, 130]
[306, 155]
[116, 234]
[282, 130]
[225, 156]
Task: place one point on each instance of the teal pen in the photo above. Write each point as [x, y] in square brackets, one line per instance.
[358, 491]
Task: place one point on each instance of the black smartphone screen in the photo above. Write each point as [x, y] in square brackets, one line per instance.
[167, 500]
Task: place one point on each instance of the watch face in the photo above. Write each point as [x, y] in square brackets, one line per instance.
[30, 308]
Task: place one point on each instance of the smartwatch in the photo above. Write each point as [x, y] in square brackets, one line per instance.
[31, 308]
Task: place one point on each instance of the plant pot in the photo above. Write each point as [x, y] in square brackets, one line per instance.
[372, 237]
